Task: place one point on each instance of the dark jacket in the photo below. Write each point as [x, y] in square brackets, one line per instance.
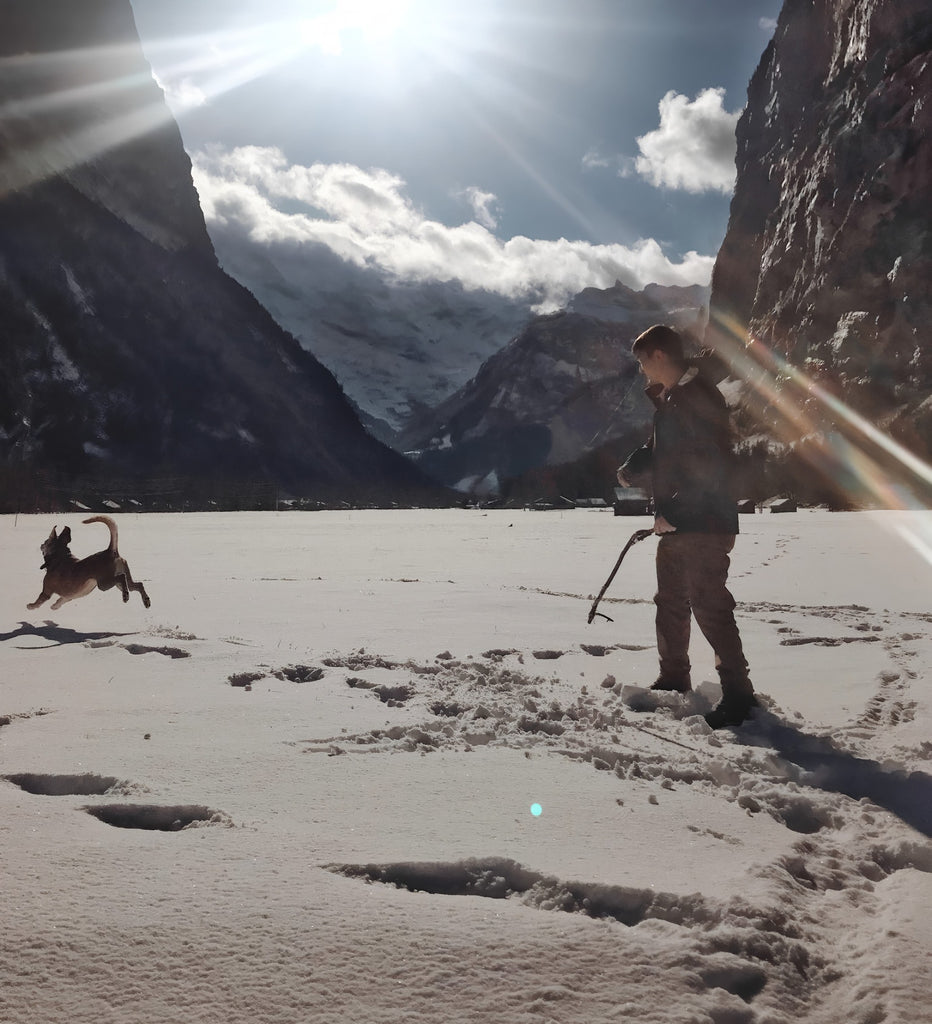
[688, 459]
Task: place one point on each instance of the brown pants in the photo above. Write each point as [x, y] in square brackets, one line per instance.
[692, 572]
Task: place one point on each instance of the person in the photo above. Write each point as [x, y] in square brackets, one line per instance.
[688, 464]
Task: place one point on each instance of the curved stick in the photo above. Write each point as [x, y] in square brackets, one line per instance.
[638, 535]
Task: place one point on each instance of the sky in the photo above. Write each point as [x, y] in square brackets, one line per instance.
[515, 145]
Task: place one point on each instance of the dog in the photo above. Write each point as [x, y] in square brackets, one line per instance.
[70, 578]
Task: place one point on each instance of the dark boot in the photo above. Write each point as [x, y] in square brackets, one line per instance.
[734, 709]
[676, 684]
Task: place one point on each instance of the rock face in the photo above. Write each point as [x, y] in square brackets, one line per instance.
[126, 351]
[827, 260]
[564, 386]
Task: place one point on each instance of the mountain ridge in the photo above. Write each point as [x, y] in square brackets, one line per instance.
[128, 352]
[565, 384]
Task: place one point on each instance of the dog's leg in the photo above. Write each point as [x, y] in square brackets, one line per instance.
[41, 599]
[82, 591]
[133, 585]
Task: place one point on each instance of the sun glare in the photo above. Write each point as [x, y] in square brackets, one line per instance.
[374, 17]
[375, 21]
[848, 448]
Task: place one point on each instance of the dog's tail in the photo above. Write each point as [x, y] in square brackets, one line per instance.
[111, 526]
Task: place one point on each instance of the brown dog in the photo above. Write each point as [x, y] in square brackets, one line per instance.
[71, 578]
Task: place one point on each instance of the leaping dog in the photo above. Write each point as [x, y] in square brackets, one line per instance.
[70, 578]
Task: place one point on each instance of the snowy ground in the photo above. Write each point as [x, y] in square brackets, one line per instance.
[353, 713]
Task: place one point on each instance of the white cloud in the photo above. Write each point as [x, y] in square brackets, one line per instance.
[483, 206]
[367, 219]
[768, 24]
[594, 159]
[182, 95]
[694, 147]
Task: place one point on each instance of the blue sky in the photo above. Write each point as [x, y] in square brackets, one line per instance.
[510, 144]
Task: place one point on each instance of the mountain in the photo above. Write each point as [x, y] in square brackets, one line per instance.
[619, 304]
[827, 259]
[394, 346]
[127, 353]
[564, 386]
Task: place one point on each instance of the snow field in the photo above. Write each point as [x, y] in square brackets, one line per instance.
[324, 738]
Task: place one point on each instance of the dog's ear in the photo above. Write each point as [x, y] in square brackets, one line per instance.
[65, 535]
[53, 535]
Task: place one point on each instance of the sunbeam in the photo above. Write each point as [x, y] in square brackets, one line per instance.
[844, 447]
[66, 108]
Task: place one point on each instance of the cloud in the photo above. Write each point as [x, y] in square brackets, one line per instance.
[182, 95]
[768, 24]
[482, 204]
[594, 160]
[694, 147]
[366, 218]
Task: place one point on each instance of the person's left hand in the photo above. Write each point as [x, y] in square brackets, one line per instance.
[662, 526]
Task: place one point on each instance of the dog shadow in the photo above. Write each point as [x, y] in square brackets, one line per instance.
[58, 635]
[906, 794]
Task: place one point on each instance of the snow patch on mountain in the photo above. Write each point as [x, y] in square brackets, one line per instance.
[394, 346]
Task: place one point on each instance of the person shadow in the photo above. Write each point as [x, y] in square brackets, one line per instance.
[907, 794]
[58, 636]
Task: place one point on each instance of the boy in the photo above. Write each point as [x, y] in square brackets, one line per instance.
[689, 462]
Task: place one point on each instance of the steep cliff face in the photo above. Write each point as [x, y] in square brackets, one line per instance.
[80, 104]
[126, 351]
[828, 255]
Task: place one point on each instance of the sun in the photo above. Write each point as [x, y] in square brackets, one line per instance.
[374, 17]
[374, 21]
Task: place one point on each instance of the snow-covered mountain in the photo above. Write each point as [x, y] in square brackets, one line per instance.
[567, 384]
[395, 347]
[400, 349]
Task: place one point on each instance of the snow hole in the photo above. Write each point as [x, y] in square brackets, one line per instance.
[154, 818]
[501, 878]
[63, 785]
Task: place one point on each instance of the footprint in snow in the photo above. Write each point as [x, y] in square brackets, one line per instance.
[84, 784]
[156, 818]
[169, 652]
[151, 817]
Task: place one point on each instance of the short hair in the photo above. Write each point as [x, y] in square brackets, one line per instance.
[660, 338]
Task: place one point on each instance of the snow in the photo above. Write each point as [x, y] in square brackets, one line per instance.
[351, 715]
[392, 345]
[78, 293]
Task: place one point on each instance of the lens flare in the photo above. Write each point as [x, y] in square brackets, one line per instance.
[843, 446]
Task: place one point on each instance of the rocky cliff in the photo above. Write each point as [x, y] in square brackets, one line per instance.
[827, 261]
[126, 351]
